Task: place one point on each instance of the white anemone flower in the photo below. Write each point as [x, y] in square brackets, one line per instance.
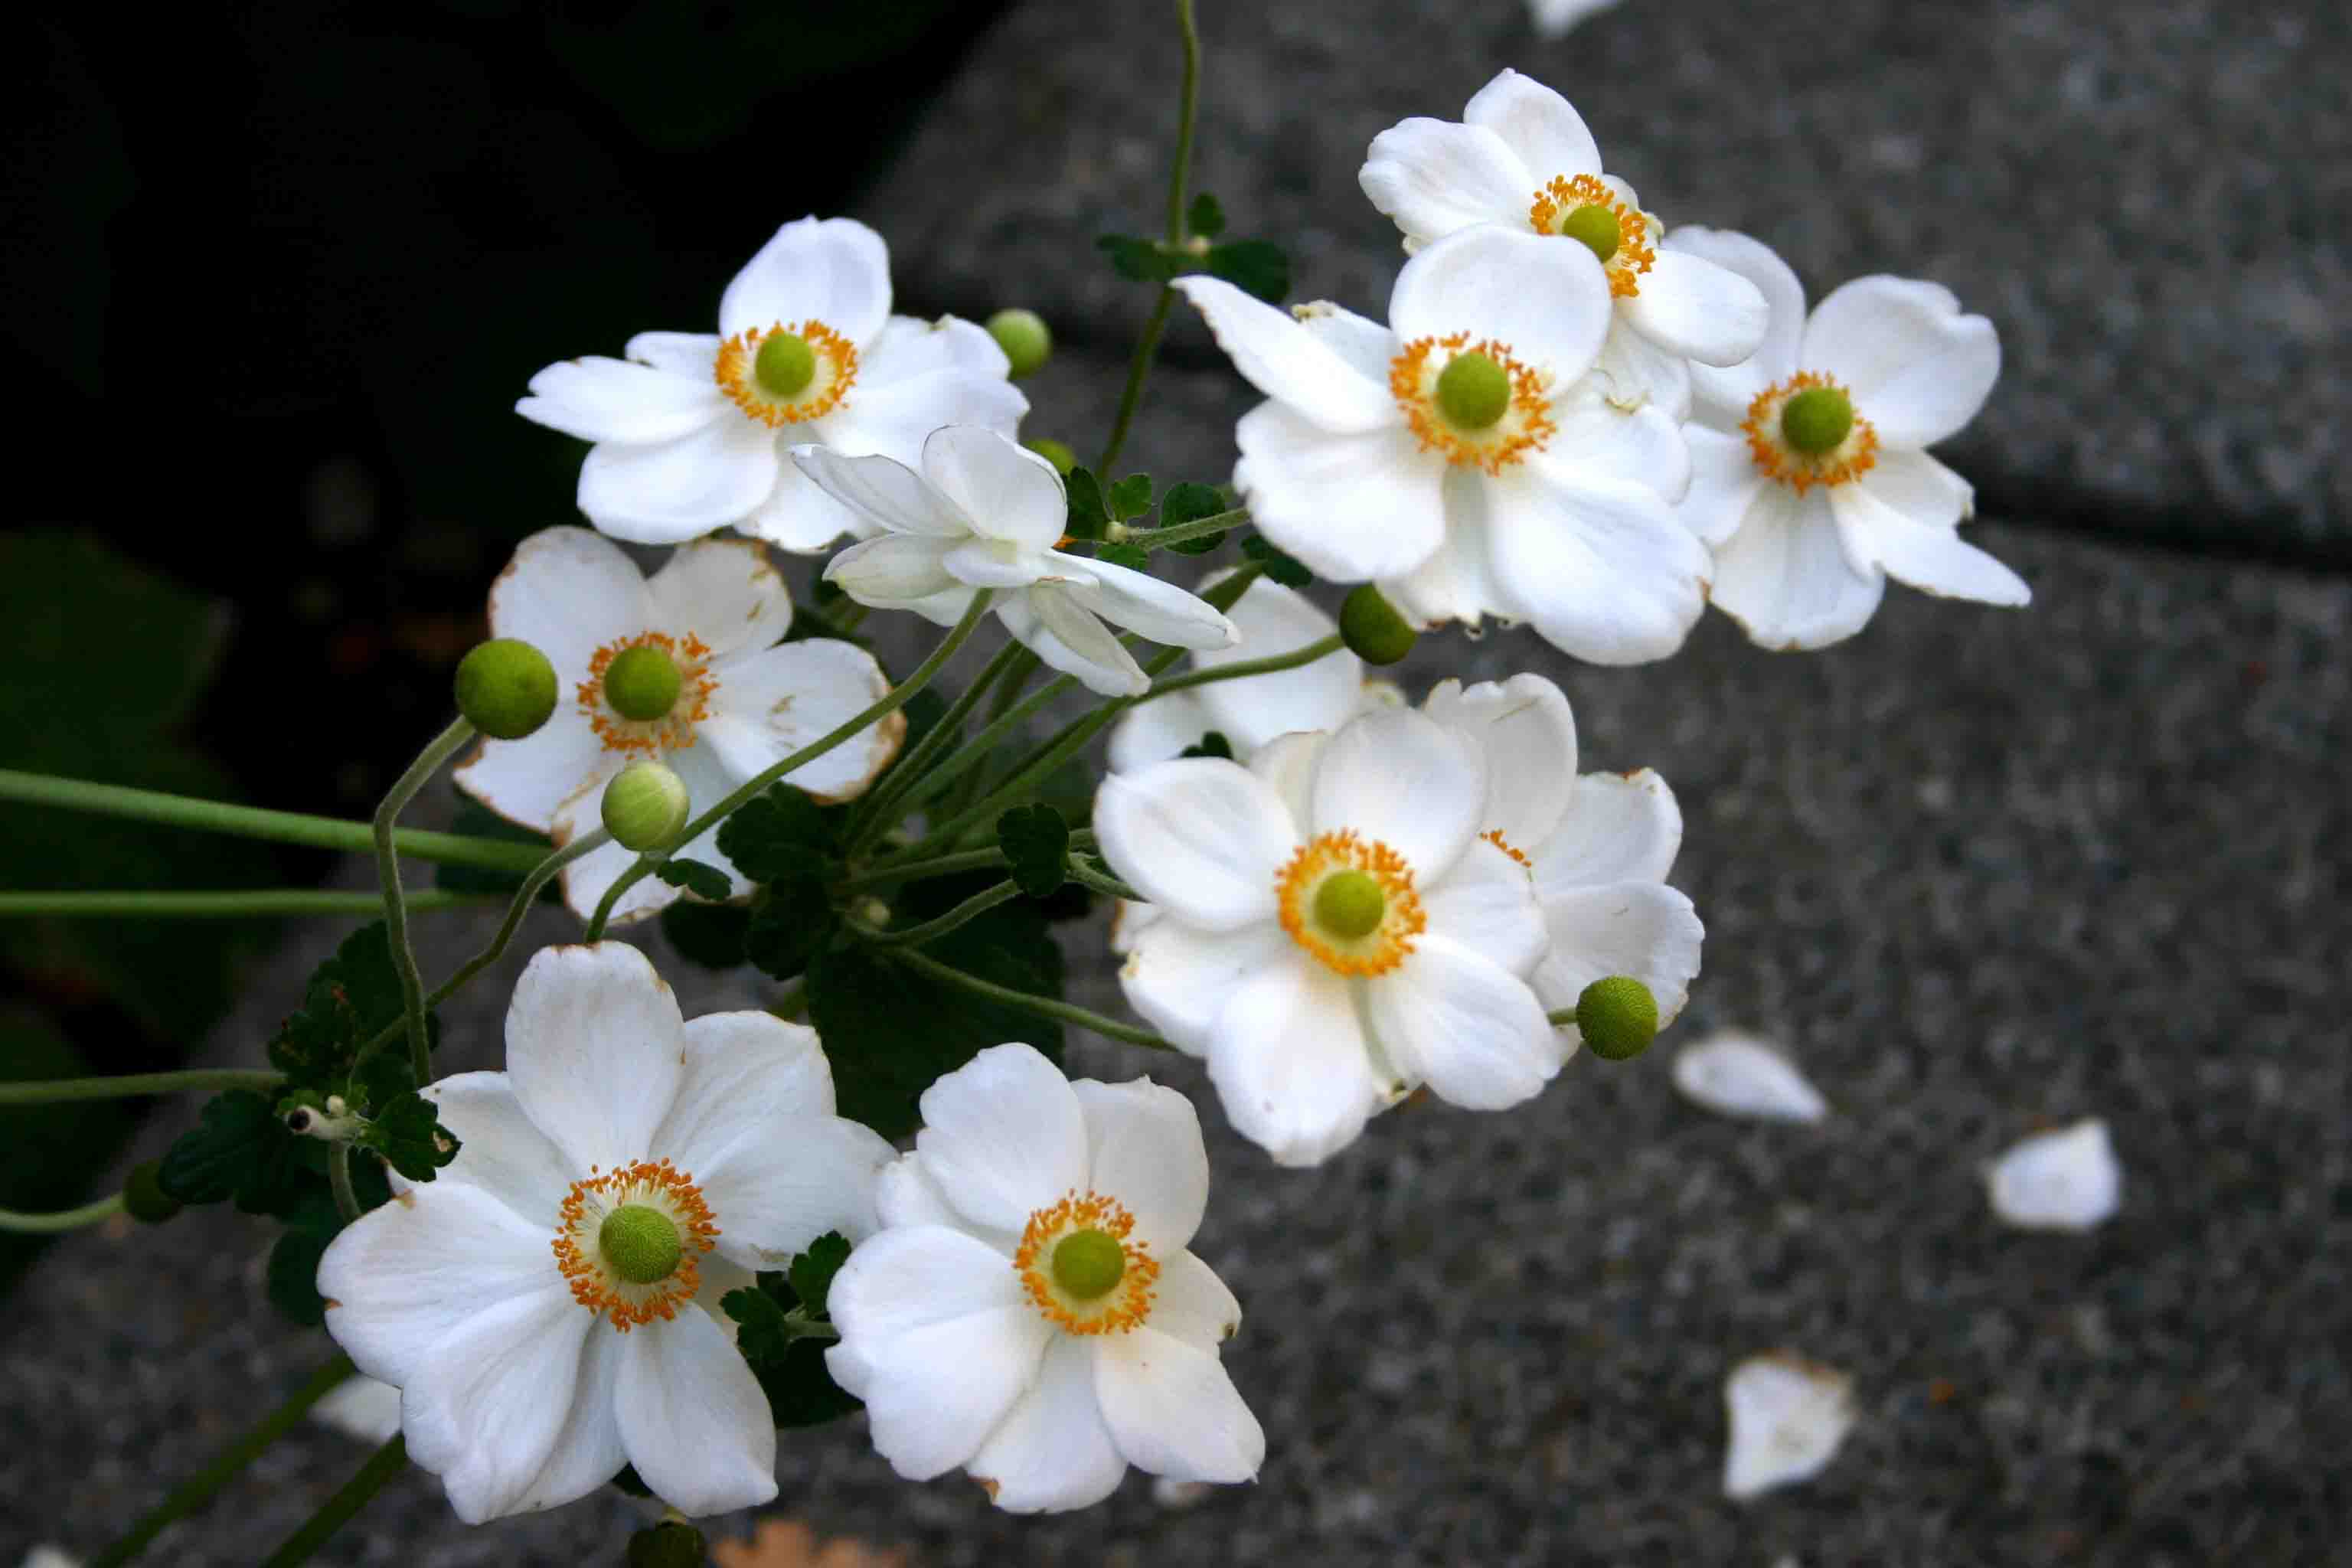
[1599, 846]
[1336, 926]
[1028, 1311]
[683, 667]
[1522, 157]
[1554, 18]
[690, 429]
[985, 512]
[549, 1304]
[1461, 457]
[1810, 474]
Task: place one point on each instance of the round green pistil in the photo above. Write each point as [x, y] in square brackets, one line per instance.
[1816, 419]
[1350, 904]
[1617, 1016]
[784, 365]
[1089, 1263]
[642, 683]
[1596, 226]
[1472, 391]
[641, 1244]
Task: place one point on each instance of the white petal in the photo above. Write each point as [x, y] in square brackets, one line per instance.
[2066, 1180]
[1525, 729]
[1739, 1075]
[1174, 1408]
[1180, 976]
[1641, 929]
[1470, 1029]
[724, 590]
[1053, 1453]
[697, 1427]
[594, 1042]
[528, 781]
[1144, 1144]
[1434, 177]
[1353, 507]
[600, 399]
[567, 592]
[834, 270]
[1487, 905]
[1285, 764]
[905, 1194]
[1726, 393]
[1003, 1136]
[1156, 731]
[1360, 341]
[1290, 1063]
[1009, 492]
[1640, 372]
[403, 1278]
[708, 782]
[1198, 834]
[586, 879]
[1538, 124]
[1456, 583]
[1619, 827]
[588, 1451]
[994, 564]
[1926, 554]
[500, 1151]
[771, 704]
[1547, 302]
[1405, 780]
[1785, 576]
[360, 1406]
[1053, 625]
[892, 420]
[669, 491]
[1918, 369]
[1923, 489]
[1600, 565]
[909, 346]
[884, 492]
[1190, 1302]
[485, 1410]
[1160, 610]
[1692, 307]
[1554, 18]
[894, 571]
[1787, 1417]
[1725, 483]
[1597, 439]
[693, 355]
[1288, 362]
[1324, 694]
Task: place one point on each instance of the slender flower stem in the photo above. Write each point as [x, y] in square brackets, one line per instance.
[874, 813]
[64, 1220]
[201, 1079]
[252, 822]
[978, 904]
[382, 1465]
[236, 904]
[987, 859]
[1272, 664]
[1177, 533]
[1042, 1007]
[1137, 369]
[891, 701]
[189, 1494]
[338, 1182]
[439, 750]
[1101, 882]
[983, 745]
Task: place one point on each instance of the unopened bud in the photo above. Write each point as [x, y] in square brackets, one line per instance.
[1023, 337]
[143, 1197]
[1617, 1016]
[505, 688]
[1054, 452]
[672, 1544]
[1372, 627]
[645, 806]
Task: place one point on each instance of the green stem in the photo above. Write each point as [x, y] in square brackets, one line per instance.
[1322, 648]
[1180, 175]
[983, 745]
[1137, 369]
[201, 1079]
[1177, 533]
[439, 750]
[988, 860]
[189, 1494]
[252, 822]
[978, 904]
[382, 1465]
[338, 1182]
[254, 902]
[874, 813]
[1086, 875]
[1042, 1007]
[64, 1220]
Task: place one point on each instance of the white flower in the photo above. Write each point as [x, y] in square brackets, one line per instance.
[1522, 157]
[986, 513]
[1460, 457]
[360, 1406]
[2066, 1180]
[742, 702]
[1028, 1311]
[690, 429]
[1740, 1076]
[1788, 1419]
[1334, 929]
[548, 1306]
[1809, 470]
[1553, 18]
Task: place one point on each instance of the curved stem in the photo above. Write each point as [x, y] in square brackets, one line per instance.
[986, 859]
[338, 1182]
[63, 1220]
[1322, 648]
[199, 1079]
[1104, 883]
[1179, 173]
[439, 750]
[1042, 1007]
[382, 1465]
[978, 904]
[983, 745]
[252, 822]
[1177, 533]
[251, 903]
[1137, 369]
[874, 813]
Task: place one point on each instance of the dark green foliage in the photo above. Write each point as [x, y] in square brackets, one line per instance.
[1036, 841]
[1211, 744]
[1090, 513]
[1280, 565]
[708, 934]
[1131, 497]
[1190, 502]
[410, 1137]
[1205, 217]
[773, 1319]
[696, 877]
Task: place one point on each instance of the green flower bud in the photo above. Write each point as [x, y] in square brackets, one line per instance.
[143, 1197]
[645, 806]
[1816, 419]
[1088, 1263]
[642, 683]
[505, 688]
[1023, 337]
[1596, 226]
[1350, 904]
[1618, 1018]
[1472, 391]
[1372, 627]
[784, 365]
[1054, 452]
[672, 1544]
[641, 1244]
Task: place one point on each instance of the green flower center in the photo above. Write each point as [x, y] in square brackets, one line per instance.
[641, 1245]
[642, 683]
[1817, 419]
[784, 365]
[1472, 391]
[1350, 904]
[1596, 226]
[1088, 1264]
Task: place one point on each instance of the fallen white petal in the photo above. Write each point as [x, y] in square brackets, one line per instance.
[2066, 1180]
[1787, 1417]
[360, 1407]
[1739, 1075]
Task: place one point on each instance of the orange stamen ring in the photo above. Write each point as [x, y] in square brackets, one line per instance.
[657, 1185]
[1526, 423]
[651, 737]
[1849, 460]
[1378, 950]
[836, 373]
[1126, 1305]
[1634, 255]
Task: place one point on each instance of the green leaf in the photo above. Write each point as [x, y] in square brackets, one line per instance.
[762, 1332]
[1212, 744]
[1088, 513]
[699, 877]
[778, 835]
[291, 1281]
[1190, 502]
[1140, 260]
[1280, 565]
[891, 1032]
[924, 709]
[410, 1137]
[1256, 267]
[773, 1318]
[237, 1149]
[810, 1274]
[709, 934]
[1131, 497]
[1134, 557]
[790, 921]
[1205, 217]
[351, 998]
[1036, 841]
[475, 820]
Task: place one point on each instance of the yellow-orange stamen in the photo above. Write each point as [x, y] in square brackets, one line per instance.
[836, 373]
[673, 730]
[1634, 255]
[1494, 836]
[1126, 1305]
[595, 1285]
[1850, 459]
[1524, 425]
[1378, 950]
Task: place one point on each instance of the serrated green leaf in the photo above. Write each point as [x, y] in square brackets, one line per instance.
[1280, 565]
[1134, 557]
[762, 1332]
[699, 877]
[1036, 841]
[410, 1137]
[810, 1274]
[237, 1149]
[1131, 497]
[1211, 744]
[475, 820]
[789, 1363]
[292, 1281]
[790, 922]
[1190, 502]
[1138, 259]
[1205, 217]
[709, 934]
[775, 836]
[1089, 512]
[351, 998]
[1256, 267]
